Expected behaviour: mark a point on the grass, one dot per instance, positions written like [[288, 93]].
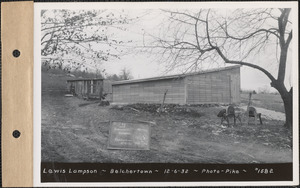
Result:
[[266, 100], [75, 133]]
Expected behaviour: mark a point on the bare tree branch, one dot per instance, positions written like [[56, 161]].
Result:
[[211, 37]]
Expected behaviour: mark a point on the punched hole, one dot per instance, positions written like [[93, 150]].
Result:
[[16, 53], [16, 134]]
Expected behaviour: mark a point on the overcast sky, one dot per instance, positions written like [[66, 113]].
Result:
[[142, 65]]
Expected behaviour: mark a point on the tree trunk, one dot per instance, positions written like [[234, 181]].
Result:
[[287, 97], [288, 107]]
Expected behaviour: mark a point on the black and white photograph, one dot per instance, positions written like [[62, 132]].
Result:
[[162, 89]]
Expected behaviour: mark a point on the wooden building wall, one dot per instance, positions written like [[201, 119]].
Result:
[[214, 87], [235, 85], [87, 88], [150, 92], [211, 87]]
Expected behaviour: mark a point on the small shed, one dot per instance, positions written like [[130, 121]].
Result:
[[220, 85], [89, 88]]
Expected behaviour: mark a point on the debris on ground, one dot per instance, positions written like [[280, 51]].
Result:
[[104, 103], [117, 107], [89, 103], [166, 109], [69, 95], [134, 109]]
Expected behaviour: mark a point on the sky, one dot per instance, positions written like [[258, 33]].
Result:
[[143, 65]]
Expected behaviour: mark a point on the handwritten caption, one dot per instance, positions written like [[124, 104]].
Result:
[[151, 171]]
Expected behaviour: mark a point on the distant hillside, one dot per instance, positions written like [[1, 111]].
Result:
[[54, 80]]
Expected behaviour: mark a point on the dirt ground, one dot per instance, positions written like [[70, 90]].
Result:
[[72, 132]]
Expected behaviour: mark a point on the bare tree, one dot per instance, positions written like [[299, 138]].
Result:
[[212, 36], [125, 74], [81, 38]]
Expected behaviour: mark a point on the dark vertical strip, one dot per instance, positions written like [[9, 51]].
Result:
[[0, 104]]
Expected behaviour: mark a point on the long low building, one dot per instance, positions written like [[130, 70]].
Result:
[[220, 85], [90, 88]]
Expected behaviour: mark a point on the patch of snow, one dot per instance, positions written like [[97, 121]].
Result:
[[268, 114]]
